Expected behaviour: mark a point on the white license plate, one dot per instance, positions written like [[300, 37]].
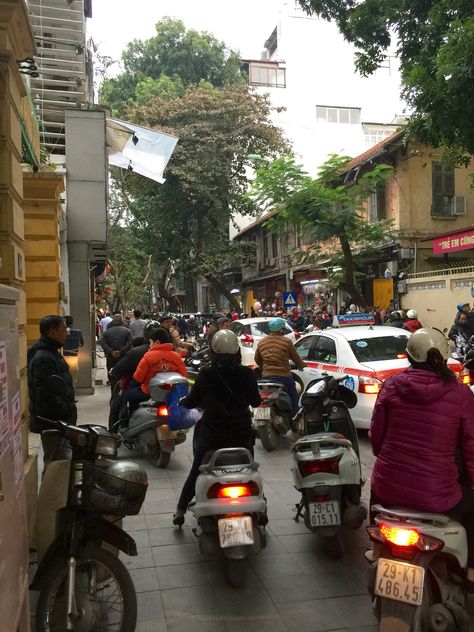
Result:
[[399, 581], [235, 531], [262, 413], [325, 514]]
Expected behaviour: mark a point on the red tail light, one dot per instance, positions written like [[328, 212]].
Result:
[[369, 385], [233, 490], [297, 335], [162, 411], [327, 466], [404, 537], [246, 340]]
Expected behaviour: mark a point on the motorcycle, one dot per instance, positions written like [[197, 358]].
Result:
[[326, 469], [417, 571], [147, 430], [230, 509], [83, 585], [274, 416]]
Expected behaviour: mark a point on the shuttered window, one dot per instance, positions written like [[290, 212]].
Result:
[[443, 190]]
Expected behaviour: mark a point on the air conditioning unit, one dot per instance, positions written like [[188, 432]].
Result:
[[406, 254], [459, 205]]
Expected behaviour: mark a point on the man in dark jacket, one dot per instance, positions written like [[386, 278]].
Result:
[[44, 360], [74, 338], [116, 341]]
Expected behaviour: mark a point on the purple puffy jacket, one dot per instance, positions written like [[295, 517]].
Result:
[[418, 424]]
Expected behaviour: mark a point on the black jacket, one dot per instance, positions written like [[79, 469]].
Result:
[[116, 338], [465, 331], [45, 360], [127, 365], [224, 393]]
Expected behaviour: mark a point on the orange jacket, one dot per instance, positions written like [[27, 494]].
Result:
[[157, 360]]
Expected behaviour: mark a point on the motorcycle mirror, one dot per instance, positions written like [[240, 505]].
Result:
[[316, 388], [56, 385], [345, 395]]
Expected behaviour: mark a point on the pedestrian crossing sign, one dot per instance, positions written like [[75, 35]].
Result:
[[290, 299]]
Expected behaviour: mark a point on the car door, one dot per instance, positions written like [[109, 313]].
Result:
[[305, 349]]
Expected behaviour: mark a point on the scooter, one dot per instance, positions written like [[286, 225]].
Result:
[[230, 509], [83, 585], [417, 571], [147, 429], [274, 415], [326, 469]]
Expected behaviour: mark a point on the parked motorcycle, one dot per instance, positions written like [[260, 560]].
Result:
[[230, 509], [274, 416], [326, 469], [418, 571], [147, 429], [83, 585]]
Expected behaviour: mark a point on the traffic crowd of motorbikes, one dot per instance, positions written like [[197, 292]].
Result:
[[167, 378]]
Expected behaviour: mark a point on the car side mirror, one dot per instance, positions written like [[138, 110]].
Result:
[[57, 386]]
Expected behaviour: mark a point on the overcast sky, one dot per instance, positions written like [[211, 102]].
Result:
[[243, 24]]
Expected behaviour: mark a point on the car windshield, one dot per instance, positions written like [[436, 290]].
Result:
[[382, 348], [261, 329]]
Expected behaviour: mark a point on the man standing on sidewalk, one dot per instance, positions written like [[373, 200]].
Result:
[[116, 341], [137, 325]]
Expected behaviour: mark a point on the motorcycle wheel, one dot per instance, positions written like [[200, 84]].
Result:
[[158, 457], [268, 437], [105, 595], [334, 546], [399, 617], [235, 571]]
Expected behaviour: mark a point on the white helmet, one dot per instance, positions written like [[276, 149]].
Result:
[[412, 314], [425, 339], [225, 341]]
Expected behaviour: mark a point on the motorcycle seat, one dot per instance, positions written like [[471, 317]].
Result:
[[411, 514], [225, 457]]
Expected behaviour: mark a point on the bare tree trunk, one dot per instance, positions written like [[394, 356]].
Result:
[[163, 292], [348, 284], [221, 289]]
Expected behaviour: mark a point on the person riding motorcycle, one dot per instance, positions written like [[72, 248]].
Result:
[[412, 323], [224, 391], [166, 321], [422, 419], [273, 356]]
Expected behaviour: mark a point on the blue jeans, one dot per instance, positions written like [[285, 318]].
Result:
[[290, 387]]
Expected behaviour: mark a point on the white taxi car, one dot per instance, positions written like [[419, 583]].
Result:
[[366, 354], [250, 331]]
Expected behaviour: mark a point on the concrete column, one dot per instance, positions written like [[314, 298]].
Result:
[[81, 307]]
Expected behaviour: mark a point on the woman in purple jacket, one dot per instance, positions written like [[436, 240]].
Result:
[[422, 420]]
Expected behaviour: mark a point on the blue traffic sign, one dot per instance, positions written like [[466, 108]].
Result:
[[290, 299]]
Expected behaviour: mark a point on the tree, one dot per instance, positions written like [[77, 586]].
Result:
[[330, 212], [206, 179], [435, 45], [165, 64]]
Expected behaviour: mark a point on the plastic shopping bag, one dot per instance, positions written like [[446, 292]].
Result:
[[179, 417]]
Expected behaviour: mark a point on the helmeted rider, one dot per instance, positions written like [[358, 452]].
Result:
[[412, 323], [422, 419], [223, 391], [273, 356]]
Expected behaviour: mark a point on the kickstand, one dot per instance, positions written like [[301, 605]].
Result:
[[299, 511]]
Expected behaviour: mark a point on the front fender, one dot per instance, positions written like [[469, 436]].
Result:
[[95, 528]]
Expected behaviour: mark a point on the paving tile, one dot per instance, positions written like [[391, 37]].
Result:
[[191, 601], [353, 611], [152, 626], [134, 523], [309, 616], [266, 623], [182, 575], [274, 565], [150, 606], [175, 554], [300, 542], [292, 588], [286, 526], [145, 579], [160, 506], [144, 559], [196, 623], [159, 520], [141, 538], [170, 535], [163, 493]]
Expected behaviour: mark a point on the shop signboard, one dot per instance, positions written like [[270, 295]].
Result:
[[455, 242]]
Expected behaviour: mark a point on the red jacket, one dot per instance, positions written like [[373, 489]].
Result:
[[158, 359], [418, 423], [412, 325]]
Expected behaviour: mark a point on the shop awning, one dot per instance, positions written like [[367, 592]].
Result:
[[139, 149], [454, 241]]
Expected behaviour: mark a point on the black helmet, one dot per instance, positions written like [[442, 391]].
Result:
[[165, 317]]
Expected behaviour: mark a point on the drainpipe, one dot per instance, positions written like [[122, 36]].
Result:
[[415, 267]]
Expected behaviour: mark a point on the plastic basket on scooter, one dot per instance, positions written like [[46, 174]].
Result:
[[114, 487]]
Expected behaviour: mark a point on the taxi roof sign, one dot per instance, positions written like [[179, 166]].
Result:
[[346, 320]]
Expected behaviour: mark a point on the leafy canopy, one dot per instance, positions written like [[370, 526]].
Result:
[[435, 45], [331, 214]]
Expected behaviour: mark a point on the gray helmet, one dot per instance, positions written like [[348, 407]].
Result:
[[425, 339], [225, 341]]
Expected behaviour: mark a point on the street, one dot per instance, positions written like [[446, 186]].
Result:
[[291, 585]]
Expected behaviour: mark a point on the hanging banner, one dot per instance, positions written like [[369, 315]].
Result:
[[454, 243]]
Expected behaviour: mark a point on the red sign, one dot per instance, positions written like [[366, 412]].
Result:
[[454, 242]]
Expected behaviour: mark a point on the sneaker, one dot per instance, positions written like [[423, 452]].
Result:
[[178, 518]]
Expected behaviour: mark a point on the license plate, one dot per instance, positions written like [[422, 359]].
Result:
[[325, 514], [399, 581], [262, 413], [235, 531], [163, 433]]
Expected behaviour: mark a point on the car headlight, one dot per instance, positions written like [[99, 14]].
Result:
[[107, 445]]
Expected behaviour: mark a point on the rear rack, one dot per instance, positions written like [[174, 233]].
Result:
[[409, 514]]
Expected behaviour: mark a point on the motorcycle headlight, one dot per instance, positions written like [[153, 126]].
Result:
[[107, 445]]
